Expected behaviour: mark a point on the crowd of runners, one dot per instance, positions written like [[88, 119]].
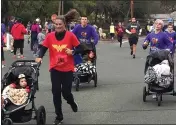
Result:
[[63, 44]]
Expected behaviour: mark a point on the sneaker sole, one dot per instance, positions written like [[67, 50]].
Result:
[[77, 107], [58, 123]]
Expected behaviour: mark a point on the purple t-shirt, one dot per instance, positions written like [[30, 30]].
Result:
[[172, 37], [158, 41]]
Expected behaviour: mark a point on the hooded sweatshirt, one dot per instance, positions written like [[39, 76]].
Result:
[[18, 31]]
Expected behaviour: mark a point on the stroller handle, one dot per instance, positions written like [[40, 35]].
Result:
[[14, 64]]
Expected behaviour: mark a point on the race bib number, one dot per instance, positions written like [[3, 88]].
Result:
[[61, 59], [83, 41], [133, 30], [153, 48]]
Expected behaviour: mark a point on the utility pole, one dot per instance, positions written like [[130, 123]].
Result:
[[62, 7], [132, 8], [59, 7]]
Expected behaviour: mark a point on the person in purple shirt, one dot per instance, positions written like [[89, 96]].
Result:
[[158, 39], [84, 32], [3, 28], [172, 36], [3, 31]]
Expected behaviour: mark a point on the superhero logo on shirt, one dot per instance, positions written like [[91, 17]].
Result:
[[83, 34], [170, 38], [60, 58], [154, 40], [59, 48]]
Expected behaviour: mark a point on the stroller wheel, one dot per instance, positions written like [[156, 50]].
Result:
[[77, 82], [95, 79], [41, 116], [7, 121], [144, 94], [159, 98]]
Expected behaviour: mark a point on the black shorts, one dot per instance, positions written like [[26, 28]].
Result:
[[112, 34], [18, 43], [133, 40]]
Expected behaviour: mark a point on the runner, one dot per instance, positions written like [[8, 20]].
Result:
[[158, 39], [170, 21], [172, 36], [84, 32], [134, 30], [112, 31], [149, 27], [18, 31], [60, 44], [34, 33], [3, 31], [120, 32], [10, 25]]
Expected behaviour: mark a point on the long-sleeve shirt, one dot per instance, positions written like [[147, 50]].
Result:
[[85, 34], [172, 37], [18, 30], [158, 41], [3, 30], [35, 28]]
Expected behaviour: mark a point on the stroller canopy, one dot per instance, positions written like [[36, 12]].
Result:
[[12, 74], [157, 57]]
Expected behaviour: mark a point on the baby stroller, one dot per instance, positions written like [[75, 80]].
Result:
[[18, 113], [156, 58], [86, 77]]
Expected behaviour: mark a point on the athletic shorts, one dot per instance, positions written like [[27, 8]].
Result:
[[133, 40]]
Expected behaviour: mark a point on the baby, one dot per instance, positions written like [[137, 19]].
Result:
[[14, 91]]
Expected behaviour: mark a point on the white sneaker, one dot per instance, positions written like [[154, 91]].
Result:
[[154, 96], [3, 66]]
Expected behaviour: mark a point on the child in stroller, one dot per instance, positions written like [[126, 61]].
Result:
[[16, 93], [24, 72], [85, 71], [159, 71]]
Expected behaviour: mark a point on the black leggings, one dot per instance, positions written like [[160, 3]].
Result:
[[61, 83], [119, 38], [2, 54], [15, 50]]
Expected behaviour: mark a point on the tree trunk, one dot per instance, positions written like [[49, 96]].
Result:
[[96, 13], [62, 7], [4, 10]]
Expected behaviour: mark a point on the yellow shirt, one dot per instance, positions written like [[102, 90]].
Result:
[[112, 29]]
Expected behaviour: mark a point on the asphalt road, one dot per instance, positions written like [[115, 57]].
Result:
[[118, 97]]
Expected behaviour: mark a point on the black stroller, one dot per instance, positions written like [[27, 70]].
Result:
[[80, 77], [18, 113], [153, 88]]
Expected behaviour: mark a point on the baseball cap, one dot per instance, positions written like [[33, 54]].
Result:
[[170, 20]]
